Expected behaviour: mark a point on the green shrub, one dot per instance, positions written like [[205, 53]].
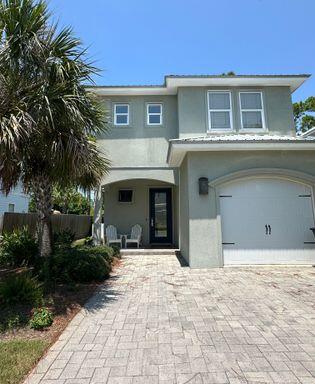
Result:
[[65, 237], [12, 320], [116, 250], [102, 250], [41, 318], [88, 240], [18, 248], [21, 288], [78, 265]]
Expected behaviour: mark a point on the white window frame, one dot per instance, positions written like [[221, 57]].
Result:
[[210, 129], [261, 110], [154, 114], [121, 114]]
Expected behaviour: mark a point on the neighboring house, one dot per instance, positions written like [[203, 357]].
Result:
[[211, 165], [15, 201]]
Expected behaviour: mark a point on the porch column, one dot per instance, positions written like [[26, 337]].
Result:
[[97, 227]]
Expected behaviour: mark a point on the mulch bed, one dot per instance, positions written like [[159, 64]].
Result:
[[65, 302]]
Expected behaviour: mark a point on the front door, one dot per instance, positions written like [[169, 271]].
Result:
[[161, 215]]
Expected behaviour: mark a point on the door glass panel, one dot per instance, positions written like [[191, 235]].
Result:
[[160, 207]]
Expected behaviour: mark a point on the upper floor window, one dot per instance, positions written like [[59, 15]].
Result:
[[154, 114], [121, 114], [252, 111], [220, 110]]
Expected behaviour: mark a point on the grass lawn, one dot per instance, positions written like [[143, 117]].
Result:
[[17, 357]]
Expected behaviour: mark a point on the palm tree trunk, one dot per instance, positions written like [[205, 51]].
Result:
[[43, 197]]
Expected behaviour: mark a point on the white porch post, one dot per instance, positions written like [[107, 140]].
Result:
[[97, 227]]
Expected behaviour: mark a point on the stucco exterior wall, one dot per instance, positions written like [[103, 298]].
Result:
[[125, 215], [184, 211], [139, 144], [204, 225], [16, 197], [193, 115]]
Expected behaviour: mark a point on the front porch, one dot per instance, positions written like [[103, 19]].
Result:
[[153, 204]]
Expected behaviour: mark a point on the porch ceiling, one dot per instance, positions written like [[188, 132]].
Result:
[[167, 175]]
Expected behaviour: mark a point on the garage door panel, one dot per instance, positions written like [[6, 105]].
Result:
[[271, 256], [284, 206]]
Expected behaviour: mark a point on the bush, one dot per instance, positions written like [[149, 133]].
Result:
[[21, 288], [18, 248], [116, 250], [11, 321], [41, 318], [102, 250], [65, 237], [88, 240], [79, 265]]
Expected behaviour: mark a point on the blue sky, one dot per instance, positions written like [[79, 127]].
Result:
[[139, 41]]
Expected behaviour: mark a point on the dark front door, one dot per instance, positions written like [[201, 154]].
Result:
[[161, 215]]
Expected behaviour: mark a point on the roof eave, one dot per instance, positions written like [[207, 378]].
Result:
[[177, 151], [172, 83]]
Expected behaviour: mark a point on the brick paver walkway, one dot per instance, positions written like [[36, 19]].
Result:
[[158, 322]]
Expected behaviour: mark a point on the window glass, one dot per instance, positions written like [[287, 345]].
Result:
[[251, 110], [154, 119], [219, 100], [154, 108], [252, 119], [11, 207], [251, 100], [121, 114], [220, 111], [154, 114], [121, 108], [220, 120], [125, 195], [121, 119]]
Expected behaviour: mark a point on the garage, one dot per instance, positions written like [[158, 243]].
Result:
[[267, 221]]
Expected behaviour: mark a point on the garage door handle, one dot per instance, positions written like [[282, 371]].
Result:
[[266, 228], [269, 227]]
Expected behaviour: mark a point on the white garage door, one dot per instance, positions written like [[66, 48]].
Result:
[[267, 221]]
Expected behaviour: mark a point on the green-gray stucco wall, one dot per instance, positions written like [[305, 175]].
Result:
[[193, 116], [139, 144], [184, 211], [201, 241]]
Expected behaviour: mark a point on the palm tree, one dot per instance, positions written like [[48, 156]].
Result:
[[48, 121]]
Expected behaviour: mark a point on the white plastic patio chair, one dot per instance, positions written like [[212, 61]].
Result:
[[111, 236], [135, 236]]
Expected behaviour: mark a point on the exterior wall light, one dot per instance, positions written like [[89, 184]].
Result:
[[203, 186]]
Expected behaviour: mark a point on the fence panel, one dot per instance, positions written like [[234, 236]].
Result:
[[80, 225]]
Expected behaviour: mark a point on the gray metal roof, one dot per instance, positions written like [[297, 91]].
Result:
[[205, 76], [242, 138]]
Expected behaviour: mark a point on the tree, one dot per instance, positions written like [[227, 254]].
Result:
[[47, 117], [230, 73], [302, 111], [66, 200]]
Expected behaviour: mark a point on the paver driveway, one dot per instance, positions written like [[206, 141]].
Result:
[[158, 322]]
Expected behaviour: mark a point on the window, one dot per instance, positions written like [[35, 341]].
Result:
[[154, 114], [220, 110], [11, 207], [252, 116], [125, 195], [121, 114]]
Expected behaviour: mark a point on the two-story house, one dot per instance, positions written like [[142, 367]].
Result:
[[213, 166]]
